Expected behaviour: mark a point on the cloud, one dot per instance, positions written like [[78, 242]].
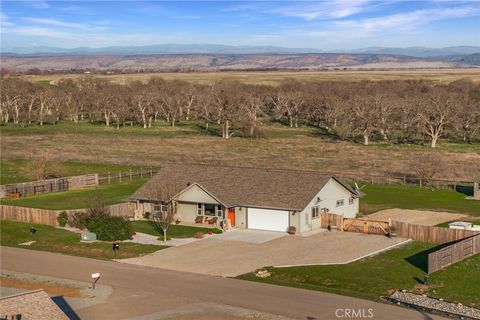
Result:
[[4, 23], [42, 32], [331, 9], [408, 20], [71, 25], [38, 4]]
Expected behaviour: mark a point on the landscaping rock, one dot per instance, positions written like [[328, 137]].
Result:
[[423, 301], [28, 243], [262, 274]]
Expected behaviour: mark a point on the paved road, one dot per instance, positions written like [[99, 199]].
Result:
[[143, 290]]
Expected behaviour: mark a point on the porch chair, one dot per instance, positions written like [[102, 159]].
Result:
[[212, 221], [199, 219]]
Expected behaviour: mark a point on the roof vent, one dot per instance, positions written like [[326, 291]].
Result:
[[189, 184]]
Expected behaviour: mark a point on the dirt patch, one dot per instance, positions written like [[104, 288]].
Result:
[[48, 288], [426, 218]]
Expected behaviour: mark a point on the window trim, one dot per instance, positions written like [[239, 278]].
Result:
[[315, 213]]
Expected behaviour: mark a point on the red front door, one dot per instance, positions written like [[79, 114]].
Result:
[[231, 216]]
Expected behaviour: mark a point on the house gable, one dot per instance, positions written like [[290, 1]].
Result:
[[195, 193]]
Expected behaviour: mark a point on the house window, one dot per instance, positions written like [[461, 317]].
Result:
[[315, 213], [350, 201], [200, 209], [160, 207], [340, 203], [219, 210], [209, 209]]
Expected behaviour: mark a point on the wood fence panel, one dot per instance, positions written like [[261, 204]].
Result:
[[31, 188], [31, 215], [49, 217], [331, 219], [453, 253], [430, 234], [365, 226]]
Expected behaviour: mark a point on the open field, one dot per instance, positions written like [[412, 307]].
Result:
[[62, 241], [281, 147], [78, 199], [379, 197], [16, 171], [274, 77], [370, 278]]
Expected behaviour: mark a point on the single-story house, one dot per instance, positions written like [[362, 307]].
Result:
[[254, 198]]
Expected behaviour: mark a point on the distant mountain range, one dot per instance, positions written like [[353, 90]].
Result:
[[172, 48]]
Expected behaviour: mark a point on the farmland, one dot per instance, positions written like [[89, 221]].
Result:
[[275, 77]]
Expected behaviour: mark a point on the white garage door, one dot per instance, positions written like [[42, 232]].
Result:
[[266, 219]]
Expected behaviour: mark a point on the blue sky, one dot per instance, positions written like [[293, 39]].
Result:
[[327, 25]]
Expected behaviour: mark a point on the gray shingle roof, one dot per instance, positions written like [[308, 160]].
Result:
[[239, 186], [31, 305]]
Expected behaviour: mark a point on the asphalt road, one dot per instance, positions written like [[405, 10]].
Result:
[[143, 290]]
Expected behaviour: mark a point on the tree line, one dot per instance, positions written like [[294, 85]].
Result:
[[395, 111]]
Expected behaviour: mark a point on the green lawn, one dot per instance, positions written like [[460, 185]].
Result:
[[15, 171], [174, 231], [370, 278], [379, 197], [77, 199], [62, 241]]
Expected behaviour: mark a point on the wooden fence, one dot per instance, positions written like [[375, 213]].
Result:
[[353, 225], [123, 176], [428, 233], [31, 215], [453, 253], [365, 226], [43, 216], [32, 188]]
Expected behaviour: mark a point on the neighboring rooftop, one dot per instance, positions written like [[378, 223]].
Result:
[[239, 186], [31, 305]]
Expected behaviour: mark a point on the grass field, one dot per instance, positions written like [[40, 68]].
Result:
[[52, 239], [16, 170], [379, 197], [370, 278], [281, 147], [174, 231], [274, 77], [78, 199]]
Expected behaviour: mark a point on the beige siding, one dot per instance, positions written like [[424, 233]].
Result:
[[196, 194], [329, 195], [295, 220], [187, 212], [241, 217]]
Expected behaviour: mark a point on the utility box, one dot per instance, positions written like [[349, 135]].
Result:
[[89, 236], [476, 189]]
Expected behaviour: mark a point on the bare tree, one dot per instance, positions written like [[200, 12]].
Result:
[[435, 114]]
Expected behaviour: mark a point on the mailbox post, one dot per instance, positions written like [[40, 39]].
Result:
[[95, 277], [115, 247]]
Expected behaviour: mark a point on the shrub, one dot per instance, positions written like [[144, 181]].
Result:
[[110, 228], [216, 230], [147, 215], [78, 220], [62, 219]]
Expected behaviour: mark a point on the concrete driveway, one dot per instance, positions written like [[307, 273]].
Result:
[[249, 235], [421, 217], [229, 258]]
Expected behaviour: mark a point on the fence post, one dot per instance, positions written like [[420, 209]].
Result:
[[109, 178], [371, 178], [420, 182], [120, 176], [151, 173], [130, 174], [141, 173], [404, 181]]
